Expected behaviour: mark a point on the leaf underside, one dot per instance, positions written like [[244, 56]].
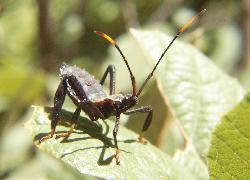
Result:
[[195, 90], [198, 92]]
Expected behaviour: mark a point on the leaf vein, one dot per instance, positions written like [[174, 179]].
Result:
[[244, 161]]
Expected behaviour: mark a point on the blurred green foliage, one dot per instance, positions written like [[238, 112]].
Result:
[[37, 36]]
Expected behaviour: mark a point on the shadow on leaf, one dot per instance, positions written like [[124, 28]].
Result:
[[93, 128]]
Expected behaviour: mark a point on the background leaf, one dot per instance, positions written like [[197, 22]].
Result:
[[162, 118], [195, 91], [189, 159], [198, 92], [90, 149], [228, 156]]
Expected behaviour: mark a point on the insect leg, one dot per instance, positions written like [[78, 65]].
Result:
[[77, 93], [115, 130], [93, 112], [56, 113], [73, 123], [144, 109], [112, 72]]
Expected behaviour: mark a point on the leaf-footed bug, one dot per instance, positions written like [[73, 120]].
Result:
[[88, 95]]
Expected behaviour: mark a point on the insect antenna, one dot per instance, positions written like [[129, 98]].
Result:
[[109, 39], [183, 29]]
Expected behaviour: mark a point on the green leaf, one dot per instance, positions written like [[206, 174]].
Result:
[[190, 159], [195, 91], [198, 92], [91, 151], [19, 159], [229, 156], [43, 166]]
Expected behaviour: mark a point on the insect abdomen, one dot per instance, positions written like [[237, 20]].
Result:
[[88, 83]]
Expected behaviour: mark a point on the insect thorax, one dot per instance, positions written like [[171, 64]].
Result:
[[124, 101]]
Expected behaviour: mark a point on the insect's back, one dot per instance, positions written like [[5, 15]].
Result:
[[87, 82]]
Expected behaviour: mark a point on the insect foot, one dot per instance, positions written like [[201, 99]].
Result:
[[141, 139], [117, 156], [44, 138], [63, 135]]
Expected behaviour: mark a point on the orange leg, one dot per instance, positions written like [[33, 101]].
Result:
[[115, 130], [73, 123]]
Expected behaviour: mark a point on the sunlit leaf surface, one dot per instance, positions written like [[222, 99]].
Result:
[[229, 156], [91, 151]]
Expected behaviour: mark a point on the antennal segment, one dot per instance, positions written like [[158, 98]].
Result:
[[183, 29], [109, 39]]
